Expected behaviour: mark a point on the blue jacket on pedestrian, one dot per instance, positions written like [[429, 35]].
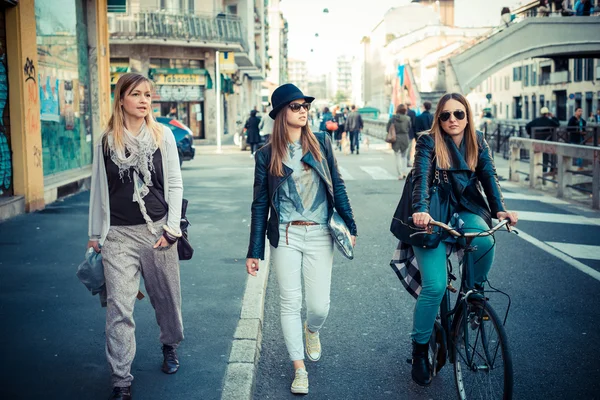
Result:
[[326, 117]]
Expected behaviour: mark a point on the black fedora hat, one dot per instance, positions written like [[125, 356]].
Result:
[[284, 95]]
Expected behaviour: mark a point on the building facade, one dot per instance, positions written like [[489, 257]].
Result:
[[178, 44], [54, 100], [520, 90], [343, 76], [298, 73], [278, 46]]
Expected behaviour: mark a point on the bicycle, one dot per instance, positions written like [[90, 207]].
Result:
[[479, 346]]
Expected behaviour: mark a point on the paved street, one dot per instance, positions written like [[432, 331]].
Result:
[[552, 325], [53, 329]]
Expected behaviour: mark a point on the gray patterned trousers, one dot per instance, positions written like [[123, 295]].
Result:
[[127, 252]]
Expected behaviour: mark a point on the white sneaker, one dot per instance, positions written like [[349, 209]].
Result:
[[313, 344], [300, 384]]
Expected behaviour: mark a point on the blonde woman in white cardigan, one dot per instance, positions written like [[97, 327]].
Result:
[[135, 163]]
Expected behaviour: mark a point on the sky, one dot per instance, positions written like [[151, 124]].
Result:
[[340, 30]]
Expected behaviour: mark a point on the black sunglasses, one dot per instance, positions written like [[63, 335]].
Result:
[[458, 114], [295, 107]]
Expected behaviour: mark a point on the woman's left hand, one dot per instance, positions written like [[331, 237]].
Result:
[[162, 242], [353, 241], [511, 215]]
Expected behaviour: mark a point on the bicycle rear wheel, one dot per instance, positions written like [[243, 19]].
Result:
[[483, 365]]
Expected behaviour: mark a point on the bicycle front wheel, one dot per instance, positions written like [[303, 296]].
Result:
[[483, 364]]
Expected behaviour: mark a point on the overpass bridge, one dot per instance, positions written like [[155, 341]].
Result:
[[548, 37]]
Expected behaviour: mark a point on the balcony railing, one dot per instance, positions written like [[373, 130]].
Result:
[[559, 77], [177, 25]]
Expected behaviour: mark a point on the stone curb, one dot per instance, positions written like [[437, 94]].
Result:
[[240, 376]]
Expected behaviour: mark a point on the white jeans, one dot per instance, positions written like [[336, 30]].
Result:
[[309, 253], [401, 161]]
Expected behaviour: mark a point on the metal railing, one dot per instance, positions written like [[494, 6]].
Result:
[[177, 25]]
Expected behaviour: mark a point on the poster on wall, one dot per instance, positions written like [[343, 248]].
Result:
[[49, 107]]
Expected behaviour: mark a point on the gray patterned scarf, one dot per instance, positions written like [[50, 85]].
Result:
[[137, 154]]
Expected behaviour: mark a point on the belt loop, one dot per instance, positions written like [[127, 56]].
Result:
[[287, 226]]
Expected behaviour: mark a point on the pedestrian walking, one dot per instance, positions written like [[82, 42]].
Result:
[[576, 128], [135, 173], [424, 121], [327, 116], [544, 8], [354, 124], [460, 156], [266, 128], [402, 126], [297, 183], [252, 132], [413, 117], [340, 119], [548, 121], [584, 8]]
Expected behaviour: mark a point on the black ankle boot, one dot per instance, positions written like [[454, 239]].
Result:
[[421, 370], [170, 362], [121, 393]]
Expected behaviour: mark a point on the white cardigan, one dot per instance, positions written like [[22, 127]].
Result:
[[99, 218]]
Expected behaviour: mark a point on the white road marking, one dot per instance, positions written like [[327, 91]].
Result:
[[557, 218], [574, 250], [378, 173], [543, 199], [347, 176], [551, 250]]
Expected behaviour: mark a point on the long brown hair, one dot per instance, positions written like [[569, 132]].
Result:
[[116, 124], [471, 146], [280, 141]]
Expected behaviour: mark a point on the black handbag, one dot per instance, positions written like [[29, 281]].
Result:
[[439, 210], [184, 248]]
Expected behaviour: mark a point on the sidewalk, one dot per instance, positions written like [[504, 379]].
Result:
[[53, 328]]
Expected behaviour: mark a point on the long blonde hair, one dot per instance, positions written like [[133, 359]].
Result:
[[441, 150], [116, 124], [280, 140]]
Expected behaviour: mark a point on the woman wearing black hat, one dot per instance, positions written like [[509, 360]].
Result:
[[297, 182]]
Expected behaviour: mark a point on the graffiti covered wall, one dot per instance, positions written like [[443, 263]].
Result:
[[63, 84], [5, 152]]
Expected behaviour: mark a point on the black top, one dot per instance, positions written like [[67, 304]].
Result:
[[123, 210]]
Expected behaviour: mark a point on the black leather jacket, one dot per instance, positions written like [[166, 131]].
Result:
[[266, 196], [465, 190]]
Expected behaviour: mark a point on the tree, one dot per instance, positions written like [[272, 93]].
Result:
[[340, 97]]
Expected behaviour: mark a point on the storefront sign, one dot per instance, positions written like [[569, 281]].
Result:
[[226, 62], [179, 79], [178, 93]]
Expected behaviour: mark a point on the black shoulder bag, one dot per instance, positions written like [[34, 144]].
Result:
[[184, 248], [439, 209]]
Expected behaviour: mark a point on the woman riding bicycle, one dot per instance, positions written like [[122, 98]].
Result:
[[456, 149]]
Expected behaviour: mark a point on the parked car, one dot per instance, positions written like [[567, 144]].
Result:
[[183, 137]]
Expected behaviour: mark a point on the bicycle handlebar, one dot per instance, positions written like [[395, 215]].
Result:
[[457, 234]]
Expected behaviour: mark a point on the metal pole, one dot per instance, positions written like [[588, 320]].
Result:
[[218, 97]]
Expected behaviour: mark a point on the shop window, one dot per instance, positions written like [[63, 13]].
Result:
[[63, 83], [175, 63]]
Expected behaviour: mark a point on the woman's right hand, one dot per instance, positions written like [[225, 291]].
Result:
[[95, 244], [252, 266], [421, 219]]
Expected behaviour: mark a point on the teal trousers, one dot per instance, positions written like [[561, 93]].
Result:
[[432, 264]]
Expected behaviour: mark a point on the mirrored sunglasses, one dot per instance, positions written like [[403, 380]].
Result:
[[295, 107], [458, 114]]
